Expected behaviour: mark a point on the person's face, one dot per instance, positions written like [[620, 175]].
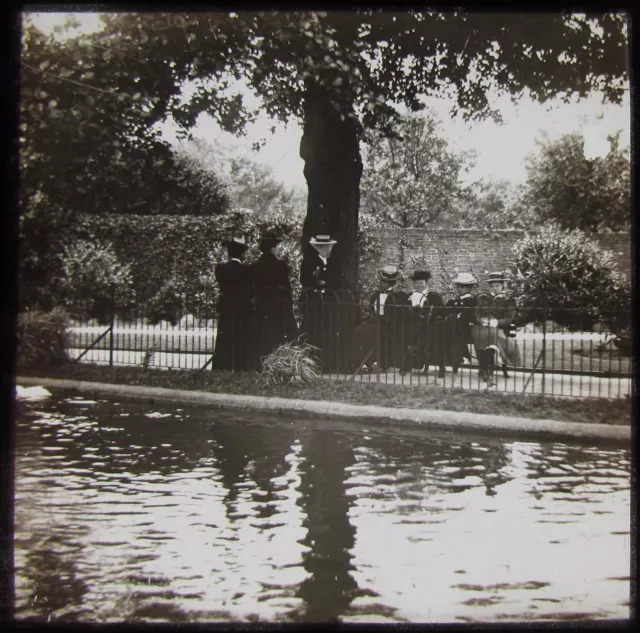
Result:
[[324, 250], [386, 285], [420, 285], [496, 287], [463, 289]]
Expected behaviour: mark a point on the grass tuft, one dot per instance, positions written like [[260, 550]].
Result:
[[290, 363]]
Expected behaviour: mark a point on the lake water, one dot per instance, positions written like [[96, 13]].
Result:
[[141, 511]]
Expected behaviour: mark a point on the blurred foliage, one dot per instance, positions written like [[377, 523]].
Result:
[[42, 338]]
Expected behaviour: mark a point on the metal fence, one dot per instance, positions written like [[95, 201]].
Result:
[[550, 351]]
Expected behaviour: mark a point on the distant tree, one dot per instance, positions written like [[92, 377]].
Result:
[[412, 180], [493, 204], [250, 184], [566, 187]]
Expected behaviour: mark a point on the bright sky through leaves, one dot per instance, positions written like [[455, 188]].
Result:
[[501, 149]]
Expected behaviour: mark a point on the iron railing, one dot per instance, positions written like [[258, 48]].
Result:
[[549, 350]]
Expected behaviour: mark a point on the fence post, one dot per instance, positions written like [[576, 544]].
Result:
[[113, 318], [544, 346]]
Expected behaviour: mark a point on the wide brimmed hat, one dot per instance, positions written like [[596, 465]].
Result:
[[321, 239], [269, 238], [390, 273], [236, 241], [465, 279], [497, 277], [421, 275]]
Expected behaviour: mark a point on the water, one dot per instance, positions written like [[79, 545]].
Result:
[[130, 510]]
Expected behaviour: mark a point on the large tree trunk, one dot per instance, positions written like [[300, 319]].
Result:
[[331, 152]]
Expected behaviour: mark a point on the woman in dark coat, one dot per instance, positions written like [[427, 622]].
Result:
[[234, 347], [274, 320]]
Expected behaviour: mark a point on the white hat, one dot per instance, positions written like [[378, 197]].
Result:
[[321, 239], [465, 279]]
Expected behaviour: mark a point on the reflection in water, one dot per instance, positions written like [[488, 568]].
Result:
[[330, 535], [144, 512]]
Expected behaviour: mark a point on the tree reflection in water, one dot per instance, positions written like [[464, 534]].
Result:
[[330, 536]]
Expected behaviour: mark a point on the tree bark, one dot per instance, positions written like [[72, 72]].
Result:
[[330, 149]]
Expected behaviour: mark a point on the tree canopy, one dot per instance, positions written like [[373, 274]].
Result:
[[89, 149], [340, 73], [413, 180], [576, 192]]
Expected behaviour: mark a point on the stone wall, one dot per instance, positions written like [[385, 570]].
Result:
[[473, 250]]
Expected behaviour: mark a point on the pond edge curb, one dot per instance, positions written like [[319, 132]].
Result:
[[441, 418]]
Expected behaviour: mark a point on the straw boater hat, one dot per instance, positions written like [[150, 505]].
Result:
[[497, 277], [321, 239], [237, 242], [421, 275], [465, 279], [390, 273]]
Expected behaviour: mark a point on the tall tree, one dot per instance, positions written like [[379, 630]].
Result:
[[576, 192], [413, 180], [340, 73]]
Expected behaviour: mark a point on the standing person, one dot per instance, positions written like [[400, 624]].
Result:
[[233, 349], [274, 320], [495, 329], [462, 306], [393, 309], [327, 316], [424, 308]]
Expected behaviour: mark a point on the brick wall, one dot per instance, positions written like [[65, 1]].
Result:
[[474, 250]]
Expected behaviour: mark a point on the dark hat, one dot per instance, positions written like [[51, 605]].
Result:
[[236, 242], [498, 277], [322, 239], [421, 275], [269, 239], [390, 273]]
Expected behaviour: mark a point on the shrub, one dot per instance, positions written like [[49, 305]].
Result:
[[574, 277], [292, 362], [93, 279], [43, 338]]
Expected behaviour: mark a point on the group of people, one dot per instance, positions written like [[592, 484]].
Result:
[[417, 328], [403, 329]]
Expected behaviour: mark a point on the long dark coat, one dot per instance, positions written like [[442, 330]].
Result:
[[275, 323], [328, 311], [464, 308], [234, 340], [383, 337]]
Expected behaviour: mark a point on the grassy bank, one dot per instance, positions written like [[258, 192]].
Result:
[[413, 397]]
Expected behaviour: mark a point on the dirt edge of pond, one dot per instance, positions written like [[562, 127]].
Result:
[[427, 417]]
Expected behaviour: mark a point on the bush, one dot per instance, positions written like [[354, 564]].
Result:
[[292, 362], [93, 279], [43, 338], [574, 277]]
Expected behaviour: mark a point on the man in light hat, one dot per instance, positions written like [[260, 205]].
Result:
[[327, 314], [462, 306], [274, 320], [494, 330], [234, 346]]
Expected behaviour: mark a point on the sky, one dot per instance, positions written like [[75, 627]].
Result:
[[501, 149]]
